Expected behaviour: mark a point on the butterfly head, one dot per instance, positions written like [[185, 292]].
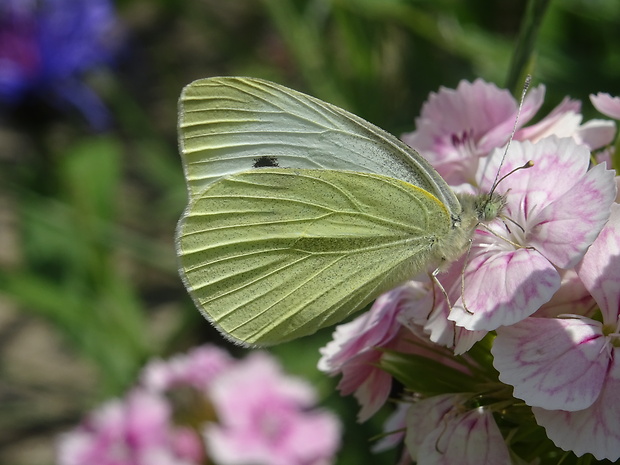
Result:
[[489, 207]]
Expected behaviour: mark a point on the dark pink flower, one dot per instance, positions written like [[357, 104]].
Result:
[[353, 350]]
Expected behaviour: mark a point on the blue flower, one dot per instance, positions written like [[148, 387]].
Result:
[[46, 47]]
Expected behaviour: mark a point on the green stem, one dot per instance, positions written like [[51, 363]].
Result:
[[522, 57]]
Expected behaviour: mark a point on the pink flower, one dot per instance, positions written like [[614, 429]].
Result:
[[264, 418], [558, 208], [606, 104], [393, 428], [459, 126], [572, 297], [569, 369], [426, 314], [353, 353], [565, 121], [440, 431], [135, 431], [197, 369]]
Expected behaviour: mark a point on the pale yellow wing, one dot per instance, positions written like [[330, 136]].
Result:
[[273, 254], [232, 124]]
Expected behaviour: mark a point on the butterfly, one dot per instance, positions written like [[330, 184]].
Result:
[[301, 213]]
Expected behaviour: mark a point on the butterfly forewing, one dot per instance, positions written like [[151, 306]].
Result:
[[274, 254], [230, 125]]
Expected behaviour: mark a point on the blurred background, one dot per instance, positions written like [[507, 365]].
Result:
[[91, 183]]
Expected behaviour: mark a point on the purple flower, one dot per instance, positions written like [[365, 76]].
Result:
[[46, 47]]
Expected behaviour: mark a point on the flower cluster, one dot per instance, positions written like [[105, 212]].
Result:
[[47, 46], [206, 407], [509, 356]]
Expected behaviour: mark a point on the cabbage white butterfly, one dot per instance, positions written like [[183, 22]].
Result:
[[301, 213]]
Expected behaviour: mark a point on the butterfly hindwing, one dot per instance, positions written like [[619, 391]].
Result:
[[272, 254]]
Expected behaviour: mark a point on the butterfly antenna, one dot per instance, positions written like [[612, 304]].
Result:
[[526, 86], [528, 164]]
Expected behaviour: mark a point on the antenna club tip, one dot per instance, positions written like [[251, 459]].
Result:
[[529, 164]]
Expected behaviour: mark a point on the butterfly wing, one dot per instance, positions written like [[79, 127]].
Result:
[[273, 254], [228, 125]]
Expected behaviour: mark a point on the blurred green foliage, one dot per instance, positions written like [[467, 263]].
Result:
[[94, 214]]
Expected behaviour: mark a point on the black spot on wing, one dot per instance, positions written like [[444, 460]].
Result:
[[266, 162]]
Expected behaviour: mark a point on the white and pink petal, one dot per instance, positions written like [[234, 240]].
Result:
[[369, 384], [606, 104], [499, 135], [426, 316], [562, 121], [565, 121], [600, 268], [595, 430], [596, 133], [572, 298], [553, 363], [377, 327], [564, 229], [393, 429], [558, 165], [503, 288], [471, 438], [425, 416]]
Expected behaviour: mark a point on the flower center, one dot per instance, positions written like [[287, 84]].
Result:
[[271, 426], [464, 143], [613, 335]]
